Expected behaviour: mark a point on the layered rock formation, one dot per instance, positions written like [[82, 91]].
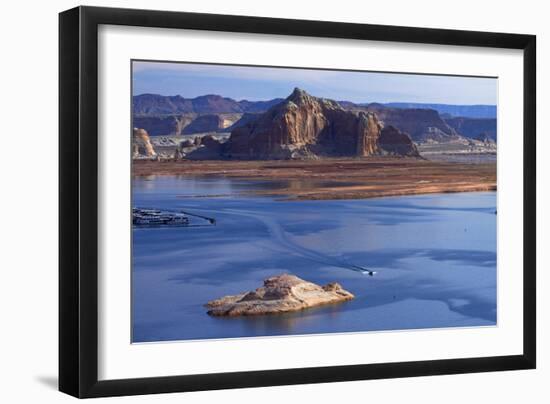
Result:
[[304, 126], [164, 125], [141, 144], [155, 104], [393, 141], [421, 124], [209, 123], [185, 124], [469, 111], [279, 294], [474, 127]]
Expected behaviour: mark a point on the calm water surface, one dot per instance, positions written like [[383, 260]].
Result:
[[434, 257]]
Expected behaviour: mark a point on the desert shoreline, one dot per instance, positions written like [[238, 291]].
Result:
[[337, 178]]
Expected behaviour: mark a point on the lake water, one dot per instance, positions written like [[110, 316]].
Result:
[[434, 257]]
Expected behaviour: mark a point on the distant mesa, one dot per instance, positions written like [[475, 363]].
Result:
[[485, 138], [156, 104], [186, 123], [450, 110], [175, 115], [474, 127], [421, 124], [279, 294]]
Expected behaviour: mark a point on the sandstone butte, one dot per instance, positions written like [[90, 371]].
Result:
[[279, 294], [303, 126]]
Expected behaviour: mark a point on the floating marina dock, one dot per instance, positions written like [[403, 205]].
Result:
[[151, 217]]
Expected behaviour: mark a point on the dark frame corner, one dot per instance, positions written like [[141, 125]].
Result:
[[78, 175]]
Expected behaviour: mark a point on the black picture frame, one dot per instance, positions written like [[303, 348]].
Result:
[[78, 201]]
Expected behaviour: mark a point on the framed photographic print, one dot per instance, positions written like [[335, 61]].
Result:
[[251, 201]]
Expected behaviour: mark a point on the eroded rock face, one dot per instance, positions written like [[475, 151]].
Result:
[[279, 294], [141, 143], [304, 126], [291, 125], [185, 124], [395, 142], [421, 124], [351, 133], [210, 123], [474, 127]]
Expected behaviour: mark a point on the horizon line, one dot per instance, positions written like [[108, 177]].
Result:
[[342, 100]]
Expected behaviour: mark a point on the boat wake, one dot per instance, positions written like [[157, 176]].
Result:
[[281, 237]]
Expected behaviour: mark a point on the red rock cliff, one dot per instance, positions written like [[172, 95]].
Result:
[[303, 125], [307, 126]]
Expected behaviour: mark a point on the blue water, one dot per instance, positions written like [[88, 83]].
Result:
[[434, 257]]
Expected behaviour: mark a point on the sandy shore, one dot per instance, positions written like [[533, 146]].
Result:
[[340, 178]]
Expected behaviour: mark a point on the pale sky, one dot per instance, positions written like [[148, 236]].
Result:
[[264, 83]]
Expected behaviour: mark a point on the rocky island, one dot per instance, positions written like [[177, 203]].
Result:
[[280, 294]]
